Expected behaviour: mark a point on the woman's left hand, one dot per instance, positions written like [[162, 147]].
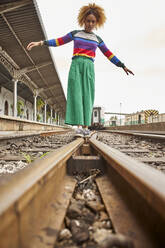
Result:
[[128, 71]]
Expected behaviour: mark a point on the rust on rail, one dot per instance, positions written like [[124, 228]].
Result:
[[34, 202], [134, 195]]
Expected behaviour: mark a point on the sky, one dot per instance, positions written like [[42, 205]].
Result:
[[135, 33]]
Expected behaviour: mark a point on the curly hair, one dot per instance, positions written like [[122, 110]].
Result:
[[94, 9]]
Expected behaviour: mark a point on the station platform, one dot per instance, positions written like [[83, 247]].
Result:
[[6, 135], [17, 125]]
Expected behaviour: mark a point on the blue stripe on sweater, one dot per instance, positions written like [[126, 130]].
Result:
[[115, 60], [52, 42]]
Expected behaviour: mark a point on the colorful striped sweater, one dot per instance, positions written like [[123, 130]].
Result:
[[85, 44]]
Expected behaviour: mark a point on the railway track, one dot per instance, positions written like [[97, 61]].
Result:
[[146, 147], [151, 135], [19, 150], [39, 208]]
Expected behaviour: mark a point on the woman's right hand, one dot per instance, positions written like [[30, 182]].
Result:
[[34, 44]]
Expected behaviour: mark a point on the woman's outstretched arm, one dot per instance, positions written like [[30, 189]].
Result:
[[53, 42], [127, 70], [112, 57], [34, 44]]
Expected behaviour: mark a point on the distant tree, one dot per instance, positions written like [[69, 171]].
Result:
[[40, 104], [38, 117], [47, 116], [20, 108]]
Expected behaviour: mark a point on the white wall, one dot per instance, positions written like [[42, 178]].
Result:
[[158, 118], [6, 95]]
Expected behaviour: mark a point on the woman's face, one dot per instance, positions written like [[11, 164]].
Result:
[[90, 23]]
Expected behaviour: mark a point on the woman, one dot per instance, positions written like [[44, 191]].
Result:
[[81, 88]]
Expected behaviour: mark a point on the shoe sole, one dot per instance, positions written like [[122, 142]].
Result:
[[79, 135], [87, 135]]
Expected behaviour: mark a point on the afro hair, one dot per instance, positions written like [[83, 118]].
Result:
[[94, 9]]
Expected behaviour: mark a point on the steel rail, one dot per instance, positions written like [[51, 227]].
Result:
[[147, 132], [8, 135], [136, 131], [148, 135], [149, 182], [141, 188], [33, 203]]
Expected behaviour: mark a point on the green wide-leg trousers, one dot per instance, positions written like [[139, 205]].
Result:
[[80, 93]]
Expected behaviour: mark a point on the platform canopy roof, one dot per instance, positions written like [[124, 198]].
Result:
[[35, 70]]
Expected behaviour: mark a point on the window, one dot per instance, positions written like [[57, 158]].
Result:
[[6, 108], [27, 114], [95, 113]]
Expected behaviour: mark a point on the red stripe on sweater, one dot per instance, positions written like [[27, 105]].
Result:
[[84, 51], [108, 53], [60, 40]]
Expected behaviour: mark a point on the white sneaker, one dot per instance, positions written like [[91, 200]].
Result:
[[86, 132], [79, 132]]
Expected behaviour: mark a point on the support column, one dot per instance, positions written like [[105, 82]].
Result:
[[62, 122], [35, 108], [45, 112], [35, 94], [63, 119], [59, 118], [15, 98], [55, 116], [51, 115]]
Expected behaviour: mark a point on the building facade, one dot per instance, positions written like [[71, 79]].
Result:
[[146, 116]]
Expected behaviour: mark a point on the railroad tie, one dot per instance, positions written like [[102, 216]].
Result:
[[83, 164]]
